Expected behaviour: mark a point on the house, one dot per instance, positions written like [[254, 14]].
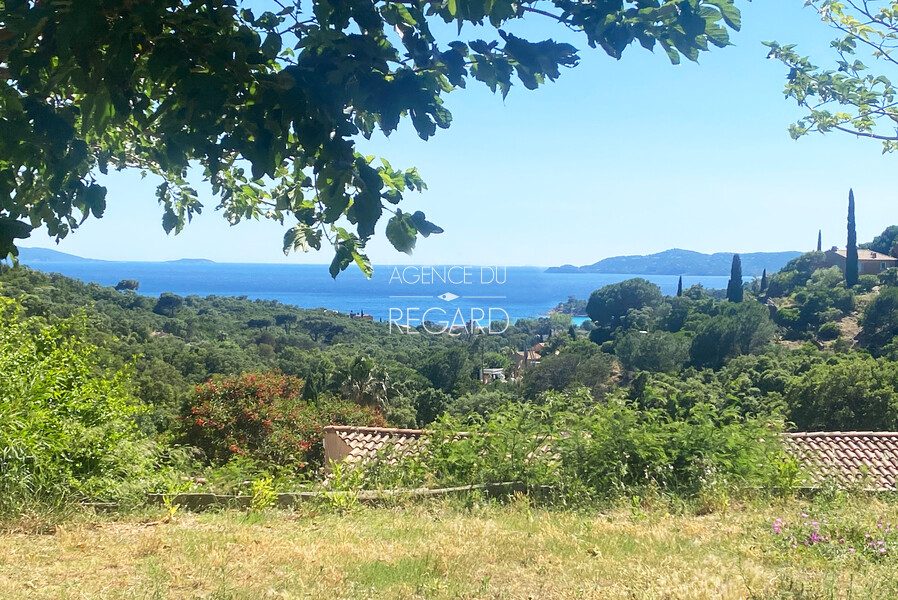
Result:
[[491, 375], [526, 358], [864, 459], [529, 357], [868, 261], [855, 458], [360, 444]]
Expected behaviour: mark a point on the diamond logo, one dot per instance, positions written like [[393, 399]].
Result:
[[448, 296]]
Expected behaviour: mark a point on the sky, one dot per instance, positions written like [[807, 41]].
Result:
[[616, 157]]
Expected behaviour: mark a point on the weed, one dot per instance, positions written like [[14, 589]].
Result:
[[264, 494]]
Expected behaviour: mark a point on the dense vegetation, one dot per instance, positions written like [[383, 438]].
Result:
[[221, 390]]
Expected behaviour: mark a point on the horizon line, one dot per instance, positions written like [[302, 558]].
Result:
[[375, 265]]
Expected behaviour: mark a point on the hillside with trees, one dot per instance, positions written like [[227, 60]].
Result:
[[226, 390], [682, 262]]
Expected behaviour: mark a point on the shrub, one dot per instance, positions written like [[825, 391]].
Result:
[[889, 277], [67, 431], [262, 417], [658, 351], [484, 402], [740, 328], [880, 319], [605, 449], [797, 272], [788, 317], [829, 331], [830, 315], [847, 392], [865, 283], [580, 363]]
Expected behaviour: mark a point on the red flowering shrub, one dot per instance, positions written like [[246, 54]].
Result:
[[261, 416]]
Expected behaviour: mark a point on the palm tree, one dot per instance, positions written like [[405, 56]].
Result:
[[366, 384]]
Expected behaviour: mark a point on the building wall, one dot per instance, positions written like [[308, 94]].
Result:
[[835, 260], [874, 267], [335, 449], [865, 266]]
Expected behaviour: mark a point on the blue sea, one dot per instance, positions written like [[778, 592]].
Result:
[[397, 293]]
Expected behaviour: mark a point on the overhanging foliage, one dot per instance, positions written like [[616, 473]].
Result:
[[268, 103]]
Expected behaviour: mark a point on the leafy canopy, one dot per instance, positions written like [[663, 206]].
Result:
[[885, 242], [609, 305], [268, 102], [847, 96]]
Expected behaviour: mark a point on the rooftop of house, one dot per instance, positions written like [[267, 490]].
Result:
[[868, 459], [363, 443], [865, 254]]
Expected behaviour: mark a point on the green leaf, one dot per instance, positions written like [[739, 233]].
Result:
[[672, 53], [271, 46], [10, 230], [401, 232], [225, 94], [342, 258], [731, 15], [424, 226], [362, 262], [95, 199], [302, 237], [170, 221]]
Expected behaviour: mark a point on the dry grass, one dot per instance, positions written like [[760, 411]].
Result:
[[438, 550]]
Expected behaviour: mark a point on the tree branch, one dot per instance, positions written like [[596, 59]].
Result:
[[849, 32], [544, 13], [866, 134]]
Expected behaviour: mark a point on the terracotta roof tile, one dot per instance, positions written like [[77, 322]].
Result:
[[365, 442], [867, 254], [865, 458]]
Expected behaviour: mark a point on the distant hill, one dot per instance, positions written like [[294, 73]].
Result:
[[192, 261], [43, 255], [684, 262]]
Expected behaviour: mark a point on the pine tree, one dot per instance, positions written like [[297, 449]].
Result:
[[851, 248], [680, 287], [819, 240], [734, 286], [764, 280]]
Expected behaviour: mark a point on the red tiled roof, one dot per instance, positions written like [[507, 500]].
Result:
[[363, 443], [866, 254], [865, 458]]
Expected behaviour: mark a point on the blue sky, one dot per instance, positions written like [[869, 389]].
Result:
[[616, 157]]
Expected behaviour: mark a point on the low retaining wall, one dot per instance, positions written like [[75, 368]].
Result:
[[287, 500]]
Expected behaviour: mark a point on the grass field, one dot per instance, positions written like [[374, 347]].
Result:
[[446, 550]]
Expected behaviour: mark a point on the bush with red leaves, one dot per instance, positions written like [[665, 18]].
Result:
[[262, 416]]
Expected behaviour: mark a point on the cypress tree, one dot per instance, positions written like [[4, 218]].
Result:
[[764, 280], [851, 247], [734, 286], [680, 287], [819, 240]]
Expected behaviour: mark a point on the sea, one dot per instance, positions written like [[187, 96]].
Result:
[[403, 294]]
